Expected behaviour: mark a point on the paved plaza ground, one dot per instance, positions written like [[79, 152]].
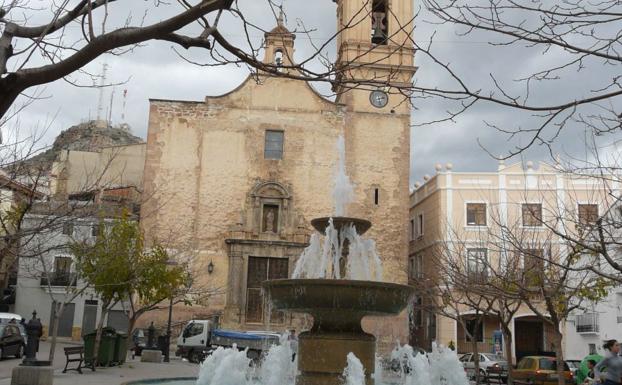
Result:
[[133, 369]]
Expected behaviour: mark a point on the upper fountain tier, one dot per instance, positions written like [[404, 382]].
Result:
[[361, 225]]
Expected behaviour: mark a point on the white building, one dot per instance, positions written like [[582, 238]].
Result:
[[468, 210], [47, 274], [586, 332]]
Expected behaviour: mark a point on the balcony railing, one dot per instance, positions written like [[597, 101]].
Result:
[[59, 279], [587, 323]]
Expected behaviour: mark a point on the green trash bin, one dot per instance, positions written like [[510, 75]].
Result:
[[120, 348], [105, 356]]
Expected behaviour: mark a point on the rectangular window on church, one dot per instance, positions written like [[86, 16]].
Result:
[[261, 269], [273, 148]]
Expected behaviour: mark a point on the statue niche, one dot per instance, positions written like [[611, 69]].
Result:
[[271, 209], [270, 219]]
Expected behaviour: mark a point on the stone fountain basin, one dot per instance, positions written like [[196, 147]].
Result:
[[361, 225], [337, 297]]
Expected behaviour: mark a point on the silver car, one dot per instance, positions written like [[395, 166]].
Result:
[[490, 365]]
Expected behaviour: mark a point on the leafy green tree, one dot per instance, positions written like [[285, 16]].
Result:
[[119, 268]]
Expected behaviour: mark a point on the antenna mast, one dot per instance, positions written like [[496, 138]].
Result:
[[102, 82]]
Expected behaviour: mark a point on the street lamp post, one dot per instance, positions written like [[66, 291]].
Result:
[[167, 352]]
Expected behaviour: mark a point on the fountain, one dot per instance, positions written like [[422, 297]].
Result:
[[335, 294], [337, 306], [338, 281]]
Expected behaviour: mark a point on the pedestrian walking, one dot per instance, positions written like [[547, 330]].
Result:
[[613, 363]]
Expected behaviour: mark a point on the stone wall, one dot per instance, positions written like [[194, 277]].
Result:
[[204, 159]]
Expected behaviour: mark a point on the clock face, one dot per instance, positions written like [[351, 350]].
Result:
[[378, 98]]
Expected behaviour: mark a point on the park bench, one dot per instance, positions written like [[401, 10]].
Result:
[[74, 354]]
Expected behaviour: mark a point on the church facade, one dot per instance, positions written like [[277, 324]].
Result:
[[233, 181]]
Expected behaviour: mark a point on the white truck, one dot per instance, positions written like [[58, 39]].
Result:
[[200, 338]]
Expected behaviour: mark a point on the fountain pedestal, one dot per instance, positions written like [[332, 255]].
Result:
[[337, 307], [322, 356]]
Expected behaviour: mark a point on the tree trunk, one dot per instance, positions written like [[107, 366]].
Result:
[[475, 359], [130, 330], [58, 311], [475, 350], [7, 96], [507, 337], [559, 355], [98, 334]]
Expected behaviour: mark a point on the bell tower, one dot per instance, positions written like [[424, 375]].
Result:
[[375, 46], [375, 66], [279, 46]]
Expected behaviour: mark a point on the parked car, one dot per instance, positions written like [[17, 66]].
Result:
[[490, 365], [540, 370], [11, 341]]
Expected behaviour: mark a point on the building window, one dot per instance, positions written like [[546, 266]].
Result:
[[431, 326], [261, 269], [273, 148], [379, 22], [475, 329], [587, 323], [68, 228], [61, 273], [533, 266], [270, 219], [476, 214], [532, 214], [592, 348], [416, 266], [62, 265], [588, 214], [477, 264], [419, 312], [420, 225], [376, 196], [412, 229], [94, 230]]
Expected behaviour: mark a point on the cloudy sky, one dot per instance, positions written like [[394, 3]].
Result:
[[154, 70]]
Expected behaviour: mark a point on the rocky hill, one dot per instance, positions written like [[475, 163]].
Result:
[[88, 136]]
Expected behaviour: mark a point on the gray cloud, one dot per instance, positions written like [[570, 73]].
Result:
[[155, 71]]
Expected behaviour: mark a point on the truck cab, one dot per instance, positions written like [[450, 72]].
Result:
[[194, 339], [200, 338]]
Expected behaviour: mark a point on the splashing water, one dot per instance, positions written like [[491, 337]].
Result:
[[278, 366], [222, 367], [343, 192], [321, 259], [228, 366], [354, 373], [440, 367]]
